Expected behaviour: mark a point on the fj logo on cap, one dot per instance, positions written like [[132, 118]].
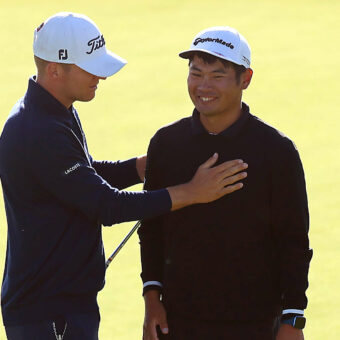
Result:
[[96, 43], [63, 54], [219, 41]]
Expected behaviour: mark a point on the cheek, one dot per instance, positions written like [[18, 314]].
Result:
[[193, 84]]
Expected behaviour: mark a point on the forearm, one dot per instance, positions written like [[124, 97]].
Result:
[[151, 251], [121, 206], [119, 174], [291, 223]]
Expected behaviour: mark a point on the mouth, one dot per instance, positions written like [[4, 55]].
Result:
[[206, 99]]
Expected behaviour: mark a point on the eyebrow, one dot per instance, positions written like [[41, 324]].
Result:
[[219, 70]]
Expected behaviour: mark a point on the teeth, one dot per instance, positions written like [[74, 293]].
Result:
[[206, 99]]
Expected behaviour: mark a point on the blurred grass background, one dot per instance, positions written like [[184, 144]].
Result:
[[295, 47]]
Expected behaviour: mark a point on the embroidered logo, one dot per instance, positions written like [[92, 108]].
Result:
[[96, 43], [216, 40], [63, 54], [74, 167], [246, 60]]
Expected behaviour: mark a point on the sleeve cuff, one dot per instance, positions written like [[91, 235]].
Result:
[[293, 311], [152, 285]]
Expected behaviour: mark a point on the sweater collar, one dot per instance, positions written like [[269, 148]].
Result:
[[42, 98], [230, 132]]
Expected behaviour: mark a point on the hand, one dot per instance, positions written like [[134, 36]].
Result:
[[288, 332], [155, 315], [209, 183], [140, 166]]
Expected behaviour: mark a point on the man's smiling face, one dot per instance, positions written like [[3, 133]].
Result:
[[213, 88]]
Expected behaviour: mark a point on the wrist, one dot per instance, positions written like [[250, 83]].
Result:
[[181, 196], [152, 295]]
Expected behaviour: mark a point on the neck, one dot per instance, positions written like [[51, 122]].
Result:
[[219, 122]]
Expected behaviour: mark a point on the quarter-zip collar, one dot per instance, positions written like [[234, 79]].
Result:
[[40, 97]]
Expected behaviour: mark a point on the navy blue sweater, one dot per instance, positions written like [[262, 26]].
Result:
[[56, 199]]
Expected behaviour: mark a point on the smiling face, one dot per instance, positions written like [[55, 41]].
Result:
[[215, 90]]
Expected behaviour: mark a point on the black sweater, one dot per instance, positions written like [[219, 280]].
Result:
[[56, 199], [245, 256]]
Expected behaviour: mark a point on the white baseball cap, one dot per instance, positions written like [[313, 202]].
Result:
[[223, 42], [72, 38]]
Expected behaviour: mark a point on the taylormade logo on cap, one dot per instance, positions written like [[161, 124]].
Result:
[[222, 42], [219, 41], [75, 39]]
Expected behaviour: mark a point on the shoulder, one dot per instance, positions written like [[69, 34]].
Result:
[[28, 127], [270, 136], [173, 131]]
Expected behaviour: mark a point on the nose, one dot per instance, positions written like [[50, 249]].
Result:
[[204, 83], [99, 78]]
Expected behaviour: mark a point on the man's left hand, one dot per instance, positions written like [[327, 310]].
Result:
[[140, 166], [287, 332]]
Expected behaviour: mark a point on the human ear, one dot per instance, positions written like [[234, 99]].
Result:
[[246, 78], [53, 70]]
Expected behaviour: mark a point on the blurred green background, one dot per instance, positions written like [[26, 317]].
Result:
[[295, 57]]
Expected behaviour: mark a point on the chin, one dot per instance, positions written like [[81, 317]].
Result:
[[206, 112], [86, 99]]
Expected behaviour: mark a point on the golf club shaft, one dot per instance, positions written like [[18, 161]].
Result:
[[126, 238]]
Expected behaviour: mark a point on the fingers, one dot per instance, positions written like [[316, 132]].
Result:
[[150, 333], [210, 162], [164, 327], [231, 188], [231, 167], [233, 179], [150, 330]]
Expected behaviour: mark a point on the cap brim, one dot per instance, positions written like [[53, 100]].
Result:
[[104, 65], [186, 55]]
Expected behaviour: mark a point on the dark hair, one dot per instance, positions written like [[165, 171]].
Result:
[[210, 59]]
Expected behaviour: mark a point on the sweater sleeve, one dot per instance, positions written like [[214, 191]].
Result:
[[119, 174], [61, 165], [291, 222], [150, 232]]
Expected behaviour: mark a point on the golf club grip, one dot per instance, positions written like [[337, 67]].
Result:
[[126, 238]]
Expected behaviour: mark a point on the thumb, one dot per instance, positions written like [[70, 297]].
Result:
[[163, 325], [210, 162]]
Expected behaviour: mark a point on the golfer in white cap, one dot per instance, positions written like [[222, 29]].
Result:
[[237, 268], [57, 197]]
